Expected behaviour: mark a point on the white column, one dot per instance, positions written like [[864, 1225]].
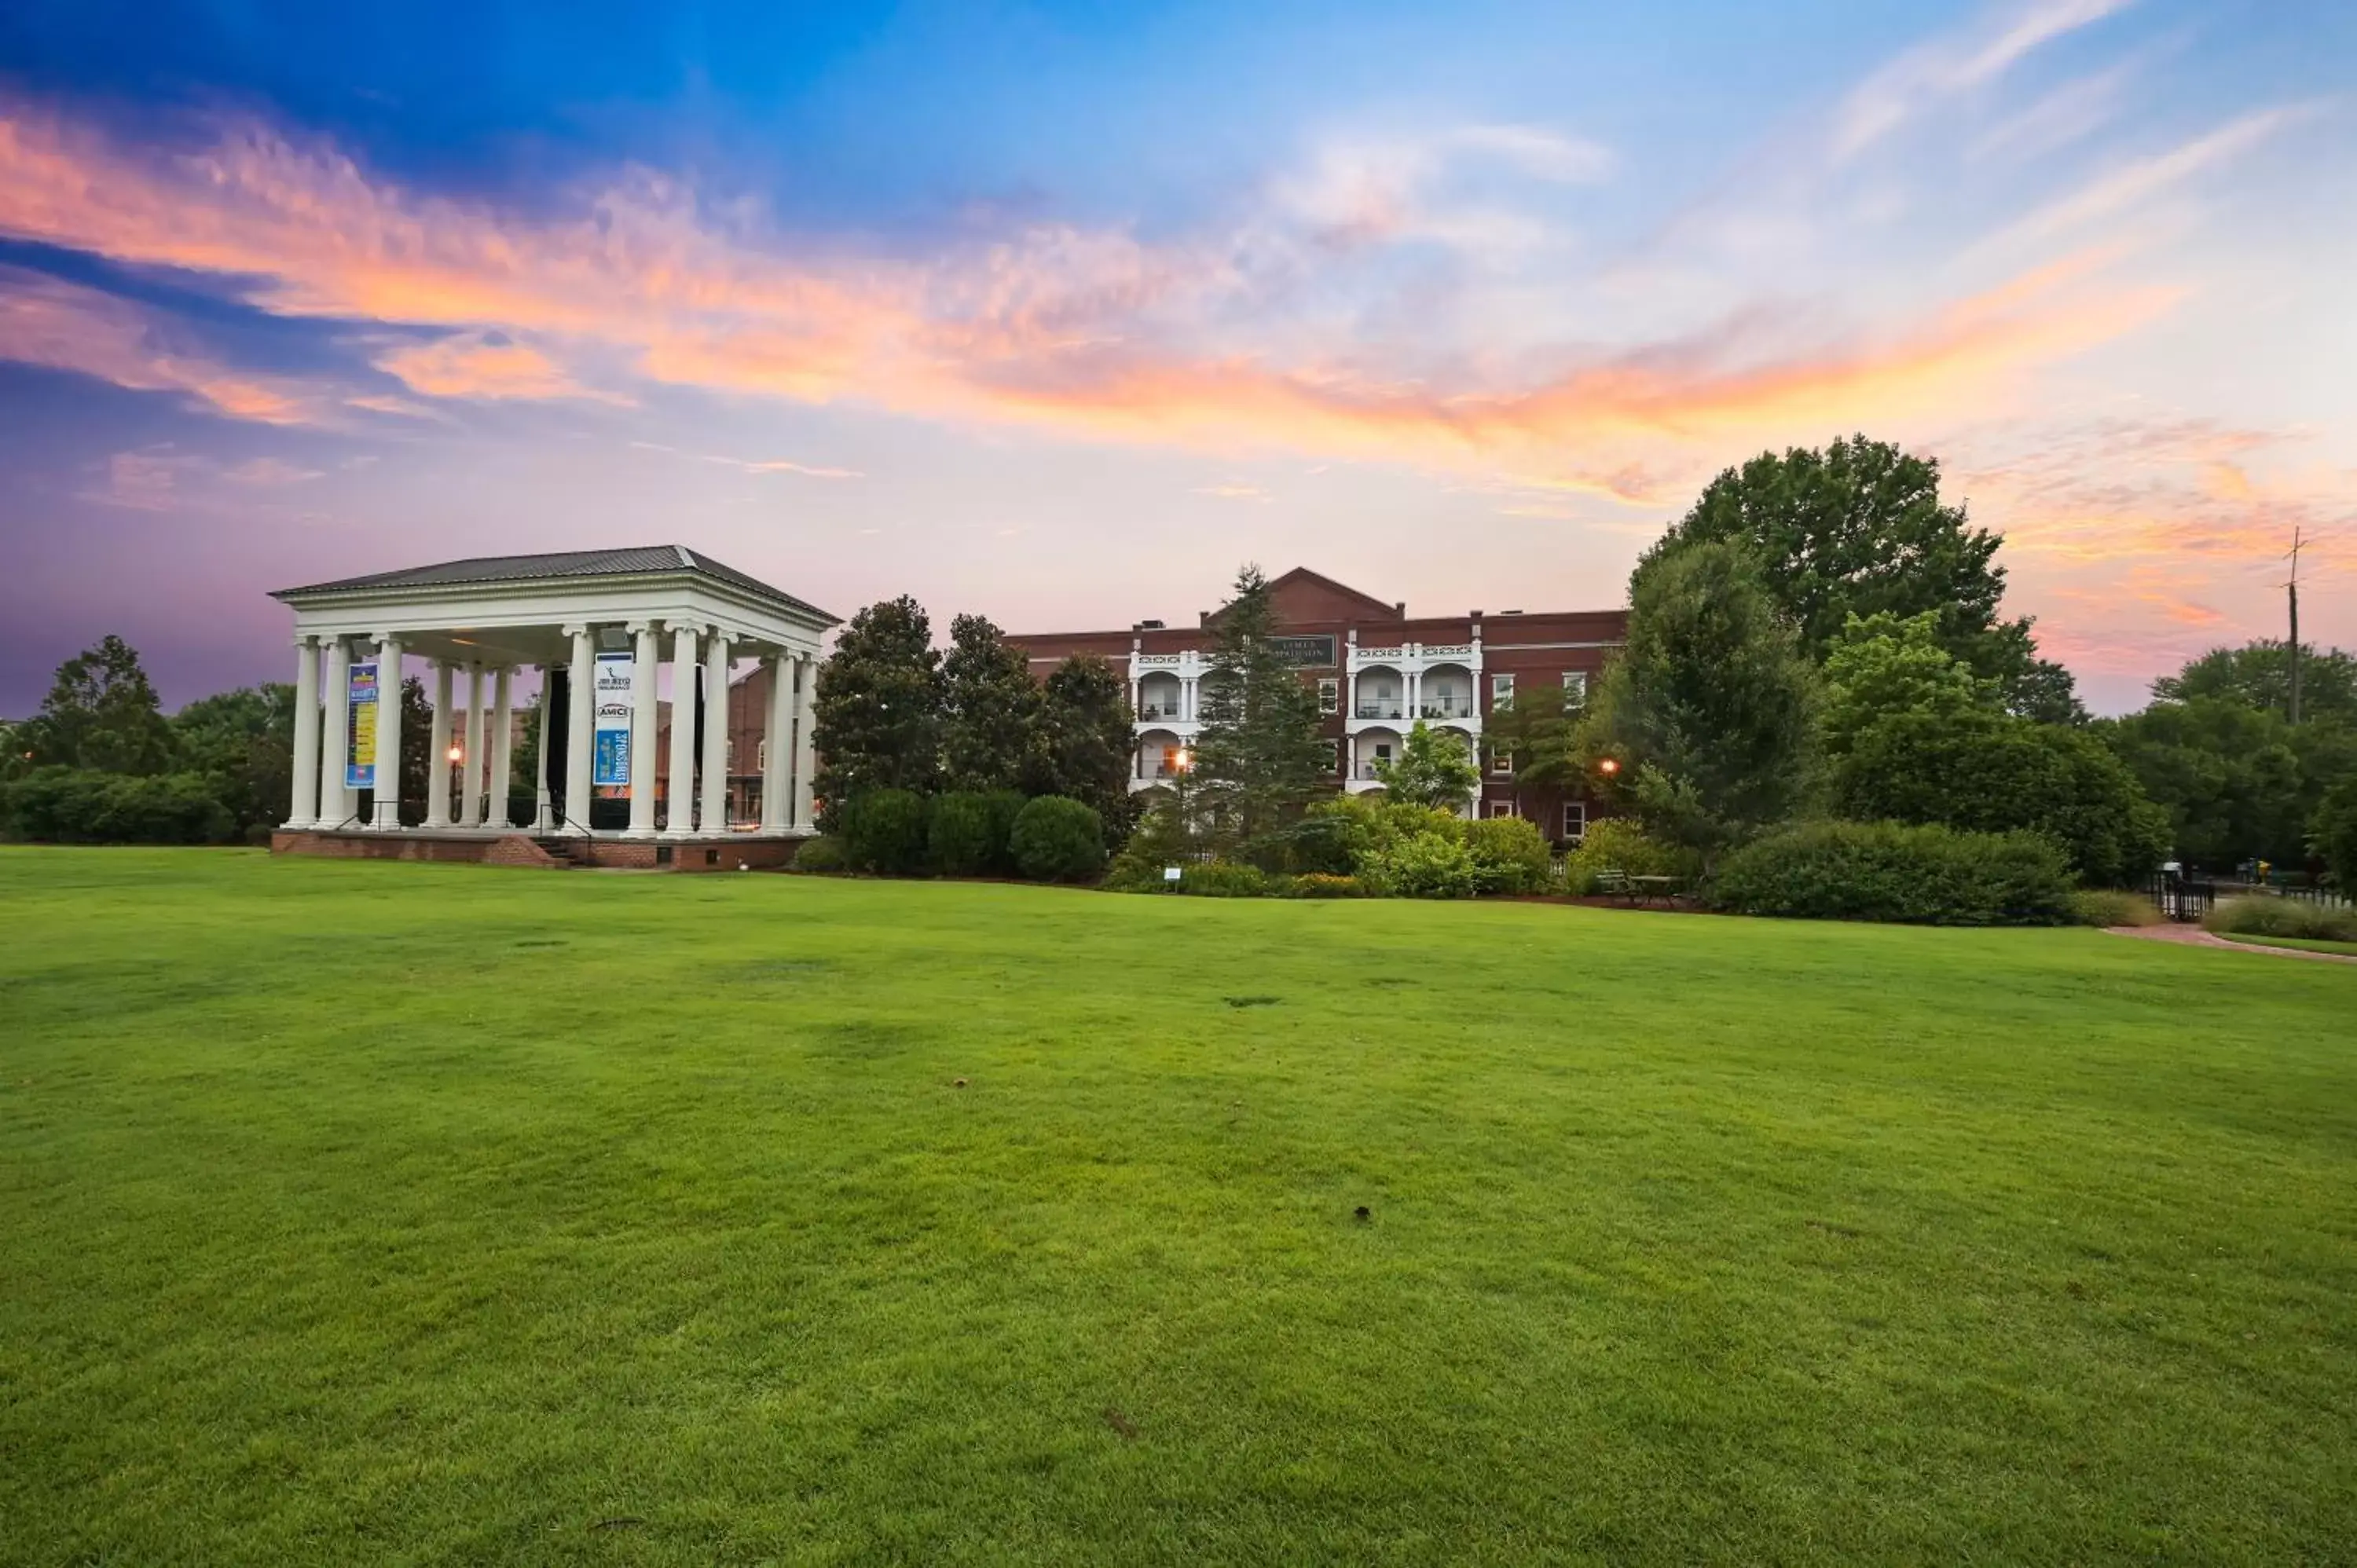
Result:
[[502, 750], [303, 805], [438, 752], [387, 792], [471, 803], [715, 733], [581, 722], [680, 784], [777, 746], [543, 799], [336, 738], [643, 657], [805, 723]]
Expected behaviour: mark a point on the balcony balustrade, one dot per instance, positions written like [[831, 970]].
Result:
[[1446, 708], [1158, 710], [1380, 708]]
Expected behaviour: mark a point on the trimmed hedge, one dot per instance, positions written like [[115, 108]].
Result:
[[820, 855], [1320, 884], [965, 837], [1056, 840], [1886, 871], [81, 805], [884, 830]]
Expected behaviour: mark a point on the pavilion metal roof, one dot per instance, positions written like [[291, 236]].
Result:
[[649, 560]]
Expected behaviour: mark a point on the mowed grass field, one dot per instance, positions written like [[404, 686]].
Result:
[[381, 1213]]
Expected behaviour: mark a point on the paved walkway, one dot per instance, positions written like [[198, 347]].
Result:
[[2194, 936]]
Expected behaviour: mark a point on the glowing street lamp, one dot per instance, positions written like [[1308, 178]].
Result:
[[1608, 767]]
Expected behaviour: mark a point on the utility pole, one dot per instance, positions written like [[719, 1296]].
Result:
[[2293, 589]]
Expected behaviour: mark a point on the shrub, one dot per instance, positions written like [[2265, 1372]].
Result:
[[1427, 865], [1224, 879], [81, 805], [1994, 773], [884, 830], [1618, 843], [1320, 843], [2111, 907], [1320, 885], [966, 835], [2264, 915], [1888, 871], [1508, 856], [822, 855], [1056, 840]]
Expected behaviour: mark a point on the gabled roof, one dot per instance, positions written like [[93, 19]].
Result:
[[644, 561], [1303, 577]]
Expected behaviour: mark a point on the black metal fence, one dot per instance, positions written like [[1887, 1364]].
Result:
[[2180, 899]]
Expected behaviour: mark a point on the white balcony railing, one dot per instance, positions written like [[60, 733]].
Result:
[[1380, 710]]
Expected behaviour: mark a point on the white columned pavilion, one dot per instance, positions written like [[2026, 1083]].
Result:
[[598, 616]]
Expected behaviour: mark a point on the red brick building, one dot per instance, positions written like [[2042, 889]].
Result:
[[1377, 669]]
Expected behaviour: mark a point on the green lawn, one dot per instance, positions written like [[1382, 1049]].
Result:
[[421, 1214]]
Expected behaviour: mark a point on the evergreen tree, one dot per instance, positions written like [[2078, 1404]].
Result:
[[990, 709], [877, 713], [1711, 706], [1085, 743], [1259, 761], [418, 758], [101, 712], [1538, 730], [1433, 768]]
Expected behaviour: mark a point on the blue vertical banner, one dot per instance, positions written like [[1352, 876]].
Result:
[[360, 706], [616, 673]]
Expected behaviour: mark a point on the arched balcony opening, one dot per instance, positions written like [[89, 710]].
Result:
[[1160, 697], [1379, 693], [1445, 691], [1370, 747]]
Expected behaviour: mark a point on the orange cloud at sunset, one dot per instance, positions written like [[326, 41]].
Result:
[[62, 326]]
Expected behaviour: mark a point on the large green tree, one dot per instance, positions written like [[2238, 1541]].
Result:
[[1259, 761], [1084, 742], [1881, 665], [1710, 710], [876, 715], [2333, 833], [2258, 675], [990, 709], [2239, 782], [244, 742], [101, 712], [1859, 528]]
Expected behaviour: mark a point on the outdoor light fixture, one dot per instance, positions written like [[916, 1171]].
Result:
[[1608, 767], [457, 753], [1184, 760]]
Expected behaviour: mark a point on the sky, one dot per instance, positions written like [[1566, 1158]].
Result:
[[1060, 313]]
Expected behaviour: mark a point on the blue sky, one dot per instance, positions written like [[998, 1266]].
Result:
[[1058, 313]]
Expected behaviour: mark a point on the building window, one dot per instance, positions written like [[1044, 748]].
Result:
[[1333, 757], [1574, 821], [1501, 691], [1575, 690], [1502, 808], [761, 755], [1502, 763], [1330, 694]]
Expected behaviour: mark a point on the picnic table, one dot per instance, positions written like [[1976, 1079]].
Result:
[[1633, 889]]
